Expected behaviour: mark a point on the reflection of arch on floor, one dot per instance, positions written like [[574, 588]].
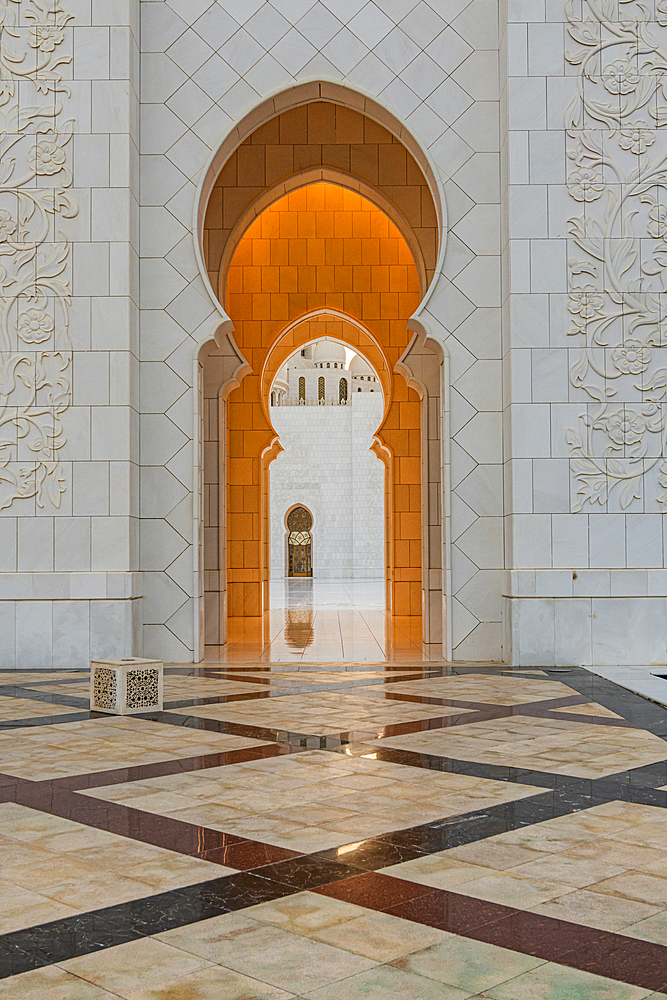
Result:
[[322, 255]]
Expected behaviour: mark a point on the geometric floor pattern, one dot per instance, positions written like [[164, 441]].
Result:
[[334, 831]]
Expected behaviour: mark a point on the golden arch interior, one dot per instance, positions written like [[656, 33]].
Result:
[[321, 223]]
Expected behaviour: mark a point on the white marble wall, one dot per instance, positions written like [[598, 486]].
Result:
[[584, 359], [69, 299], [328, 467]]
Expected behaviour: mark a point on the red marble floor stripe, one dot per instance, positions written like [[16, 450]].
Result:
[[628, 960], [248, 855], [374, 890]]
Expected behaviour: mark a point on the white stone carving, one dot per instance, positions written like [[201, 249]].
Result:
[[35, 292], [617, 258]]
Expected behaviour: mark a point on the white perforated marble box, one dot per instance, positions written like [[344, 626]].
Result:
[[126, 687]]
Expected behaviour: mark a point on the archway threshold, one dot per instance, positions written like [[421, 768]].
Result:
[[325, 621]]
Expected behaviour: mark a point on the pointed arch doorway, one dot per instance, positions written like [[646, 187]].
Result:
[[322, 245]]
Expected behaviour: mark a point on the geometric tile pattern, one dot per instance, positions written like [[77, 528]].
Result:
[[314, 800], [442, 836], [84, 747], [321, 713], [603, 867]]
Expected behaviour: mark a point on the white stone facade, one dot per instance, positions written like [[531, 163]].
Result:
[[544, 125], [328, 467]]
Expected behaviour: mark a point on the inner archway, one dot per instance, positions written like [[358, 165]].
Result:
[[328, 436]]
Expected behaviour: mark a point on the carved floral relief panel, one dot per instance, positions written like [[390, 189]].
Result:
[[617, 251], [35, 291]]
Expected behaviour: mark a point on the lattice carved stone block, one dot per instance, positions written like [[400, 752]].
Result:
[[126, 687]]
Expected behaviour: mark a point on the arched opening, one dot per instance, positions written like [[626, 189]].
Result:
[[350, 232], [299, 524], [329, 460]]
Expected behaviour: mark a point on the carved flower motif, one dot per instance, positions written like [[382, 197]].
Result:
[[620, 77], [632, 357], [35, 326], [625, 427], [657, 226], [7, 225], [585, 302], [637, 137], [48, 156], [45, 37], [585, 184]]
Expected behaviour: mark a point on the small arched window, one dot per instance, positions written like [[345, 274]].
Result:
[[302, 390], [342, 391], [321, 389], [273, 399]]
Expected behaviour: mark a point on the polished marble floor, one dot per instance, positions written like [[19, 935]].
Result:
[[334, 830], [325, 620]]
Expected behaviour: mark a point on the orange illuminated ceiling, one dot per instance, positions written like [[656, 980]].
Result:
[[322, 246]]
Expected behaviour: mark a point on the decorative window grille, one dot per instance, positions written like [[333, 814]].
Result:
[[302, 391], [321, 389], [342, 391]]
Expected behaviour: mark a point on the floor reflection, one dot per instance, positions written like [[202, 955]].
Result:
[[325, 621], [299, 630]]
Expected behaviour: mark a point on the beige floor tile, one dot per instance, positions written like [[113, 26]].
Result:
[[26, 825], [379, 936], [388, 983], [473, 966], [133, 853], [593, 909], [305, 912], [511, 890], [559, 983], [47, 874], [618, 852], [653, 928], [147, 962], [27, 909], [50, 983], [176, 872], [212, 983], [289, 961], [575, 872], [492, 854], [438, 870], [636, 885], [26, 708], [93, 893]]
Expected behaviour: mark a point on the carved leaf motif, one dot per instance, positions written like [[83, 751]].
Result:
[[622, 239], [35, 389]]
